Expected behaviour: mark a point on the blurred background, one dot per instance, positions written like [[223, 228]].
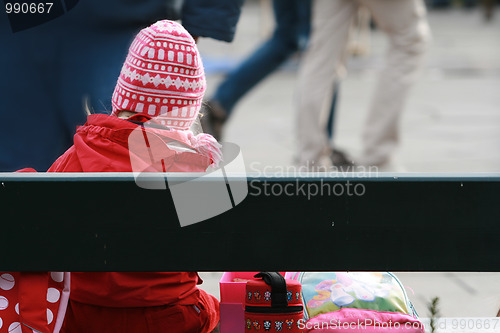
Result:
[[451, 122]]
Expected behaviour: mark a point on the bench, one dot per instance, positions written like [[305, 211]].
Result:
[[398, 222]]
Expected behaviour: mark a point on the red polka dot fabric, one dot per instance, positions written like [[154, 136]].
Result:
[[31, 302]]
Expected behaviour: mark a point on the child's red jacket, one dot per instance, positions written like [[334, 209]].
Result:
[[101, 145]]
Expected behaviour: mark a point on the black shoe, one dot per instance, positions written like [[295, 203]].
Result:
[[341, 161], [213, 118]]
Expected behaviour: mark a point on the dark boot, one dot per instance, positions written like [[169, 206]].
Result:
[[341, 161], [213, 118]]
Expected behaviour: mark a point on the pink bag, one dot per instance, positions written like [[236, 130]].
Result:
[[33, 301], [362, 321], [355, 302]]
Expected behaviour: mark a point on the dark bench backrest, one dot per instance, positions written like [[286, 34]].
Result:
[[89, 222]]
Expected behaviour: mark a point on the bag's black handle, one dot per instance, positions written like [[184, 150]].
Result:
[[278, 288]]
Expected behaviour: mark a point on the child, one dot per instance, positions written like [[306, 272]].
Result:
[[159, 91]]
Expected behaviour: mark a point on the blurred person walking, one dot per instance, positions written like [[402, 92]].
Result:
[[291, 33], [405, 23], [292, 22]]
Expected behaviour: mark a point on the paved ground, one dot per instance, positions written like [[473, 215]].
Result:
[[451, 124]]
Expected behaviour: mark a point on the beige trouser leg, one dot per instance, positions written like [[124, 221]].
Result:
[[331, 20], [405, 23]]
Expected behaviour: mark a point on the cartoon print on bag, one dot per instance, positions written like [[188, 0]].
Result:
[[256, 324], [367, 287], [339, 297], [278, 325], [289, 323], [249, 324], [267, 325], [257, 296], [297, 295], [289, 295], [250, 295], [324, 293], [347, 288], [267, 296]]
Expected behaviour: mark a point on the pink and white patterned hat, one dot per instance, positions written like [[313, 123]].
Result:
[[162, 77]]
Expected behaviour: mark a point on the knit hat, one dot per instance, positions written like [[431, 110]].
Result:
[[162, 76]]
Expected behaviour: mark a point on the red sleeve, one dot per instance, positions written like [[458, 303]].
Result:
[[26, 170], [68, 162]]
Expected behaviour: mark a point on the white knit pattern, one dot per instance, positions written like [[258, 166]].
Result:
[[162, 76]]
